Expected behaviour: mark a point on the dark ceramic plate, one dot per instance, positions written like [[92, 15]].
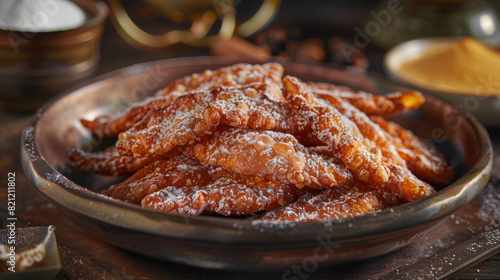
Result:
[[228, 243]]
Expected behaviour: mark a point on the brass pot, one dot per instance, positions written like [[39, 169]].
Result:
[[202, 15], [34, 66]]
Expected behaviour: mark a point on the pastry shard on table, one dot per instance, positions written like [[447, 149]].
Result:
[[20, 260], [244, 141]]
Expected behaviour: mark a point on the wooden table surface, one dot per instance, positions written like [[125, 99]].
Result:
[[453, 244]]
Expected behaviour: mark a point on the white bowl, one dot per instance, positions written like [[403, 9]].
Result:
[[485, 108]]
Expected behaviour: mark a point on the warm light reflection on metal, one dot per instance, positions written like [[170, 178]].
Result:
[[487, 24]]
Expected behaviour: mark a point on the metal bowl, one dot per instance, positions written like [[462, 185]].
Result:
[[484, 108], [36, 66], [229, 243]]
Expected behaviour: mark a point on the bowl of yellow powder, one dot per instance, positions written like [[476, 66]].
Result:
[[460, 70]]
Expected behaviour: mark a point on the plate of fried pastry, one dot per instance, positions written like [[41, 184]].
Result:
[[230, 164]]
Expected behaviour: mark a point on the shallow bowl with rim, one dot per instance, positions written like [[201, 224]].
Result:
[[230, 243]]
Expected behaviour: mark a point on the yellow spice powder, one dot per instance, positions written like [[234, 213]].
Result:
[[467, 67]]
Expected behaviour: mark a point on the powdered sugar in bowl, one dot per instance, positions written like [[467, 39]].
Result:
[[46, 47]]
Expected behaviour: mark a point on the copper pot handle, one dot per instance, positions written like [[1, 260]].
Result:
[[197, 34]]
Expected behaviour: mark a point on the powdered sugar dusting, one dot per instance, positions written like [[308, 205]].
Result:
[[241, 132], [224, 196], [274, 155], [332, 203], [489, 210]]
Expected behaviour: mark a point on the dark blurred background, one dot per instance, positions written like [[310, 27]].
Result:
[[302, 20], [353, 34], [309, 26]]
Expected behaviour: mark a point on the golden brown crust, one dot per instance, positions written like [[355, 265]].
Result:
[[224, 196], [273, 155], [334, 129], [109, 161], [183, 185], [198, 114], [178, 171], [370, 104], [332, 203], [232, 76], [423, 160]]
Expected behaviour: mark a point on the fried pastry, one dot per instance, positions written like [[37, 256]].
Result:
[[390, 138], [178, 171], [112, 125], [109, 161], [182, 172], [242, 141], [224, 196], [334, 129], [375, 139], [232, 76], [378, 105], [273, 155], [198, 114], [423, 160], [332, 203]]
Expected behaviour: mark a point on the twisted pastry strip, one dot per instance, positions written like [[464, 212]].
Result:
[[182, 172]]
